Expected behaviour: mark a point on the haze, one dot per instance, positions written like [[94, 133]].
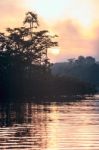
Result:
[[76, 22]]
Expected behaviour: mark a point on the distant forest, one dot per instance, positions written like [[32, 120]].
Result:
[[25, 69], [83, 68]]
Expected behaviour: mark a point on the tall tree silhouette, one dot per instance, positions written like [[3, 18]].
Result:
[[32, 19], [31, 44], [23, 56]]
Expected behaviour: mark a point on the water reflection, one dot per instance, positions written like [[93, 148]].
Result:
[[50, 126]]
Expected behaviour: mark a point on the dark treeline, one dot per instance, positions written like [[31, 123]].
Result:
[[83, 68], [25, 70]]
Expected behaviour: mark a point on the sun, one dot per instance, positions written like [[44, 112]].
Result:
[[54, 51]]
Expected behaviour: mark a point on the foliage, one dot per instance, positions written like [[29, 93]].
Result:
[[26, 43], [84, 68], [25, 66]]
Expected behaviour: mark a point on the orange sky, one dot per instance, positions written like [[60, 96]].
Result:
[[75, 21]]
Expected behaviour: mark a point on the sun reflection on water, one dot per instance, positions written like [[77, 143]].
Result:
[[72, 126]]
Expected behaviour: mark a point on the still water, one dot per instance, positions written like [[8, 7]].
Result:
[[53, 126]]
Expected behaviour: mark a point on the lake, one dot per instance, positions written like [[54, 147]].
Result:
[[52, 126]]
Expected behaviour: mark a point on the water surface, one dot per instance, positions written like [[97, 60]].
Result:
[[53, 126]]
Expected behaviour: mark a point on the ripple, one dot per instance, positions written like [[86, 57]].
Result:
[[50, 127]]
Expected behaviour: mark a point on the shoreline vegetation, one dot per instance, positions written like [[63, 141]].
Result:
[[49, 99], [25, 69]]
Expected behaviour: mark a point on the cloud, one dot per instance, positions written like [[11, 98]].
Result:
[[11, 13], [95, 43], [73, 42], [10, 7]]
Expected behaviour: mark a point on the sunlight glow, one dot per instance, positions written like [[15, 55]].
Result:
[[83, 15], [75, 22], [48, 9], [57, 10], [54, 51]]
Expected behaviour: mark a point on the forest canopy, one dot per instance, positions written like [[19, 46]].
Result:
[[27, 43], [25, 69]]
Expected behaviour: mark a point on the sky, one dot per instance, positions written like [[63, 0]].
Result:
[[76, 22]]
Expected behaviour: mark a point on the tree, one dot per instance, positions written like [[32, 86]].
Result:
[[23, 56], [31, 45], [32, 19], [90, 60], [71, 61]]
